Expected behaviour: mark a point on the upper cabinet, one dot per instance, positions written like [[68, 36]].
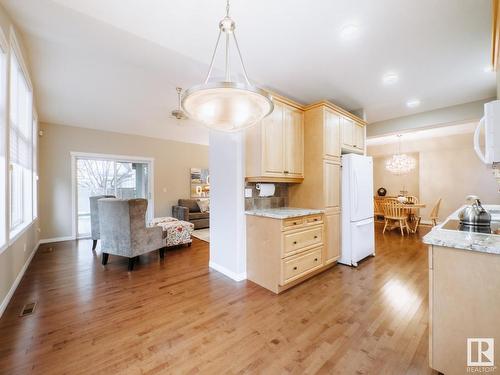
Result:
[[275, 147], [353, 135], [331, 134]]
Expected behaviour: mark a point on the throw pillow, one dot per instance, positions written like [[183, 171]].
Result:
[[204, 205]]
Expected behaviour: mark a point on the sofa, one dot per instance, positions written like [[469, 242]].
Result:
[[188, 210]]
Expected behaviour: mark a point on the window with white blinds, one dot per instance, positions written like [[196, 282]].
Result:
[[21, 147], [3, 148]]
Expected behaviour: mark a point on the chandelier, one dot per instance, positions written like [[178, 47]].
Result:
[[228, 105], [399, 163]]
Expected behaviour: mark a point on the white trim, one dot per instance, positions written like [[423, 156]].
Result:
[[235, 276], [74, 216], [125, 158], [18, 279], [57, 239]]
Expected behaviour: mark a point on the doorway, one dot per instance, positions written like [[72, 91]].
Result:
[[125, 178]]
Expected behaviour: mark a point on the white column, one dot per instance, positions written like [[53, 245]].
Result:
[[227, 204]]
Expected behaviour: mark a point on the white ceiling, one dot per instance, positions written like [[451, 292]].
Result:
[[437, 132], [114, 64]]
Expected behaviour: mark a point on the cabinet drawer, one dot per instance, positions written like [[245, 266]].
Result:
[[315, 219], [307, 237], [293, 222], [300, 265]]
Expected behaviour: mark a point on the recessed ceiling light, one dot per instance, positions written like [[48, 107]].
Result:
[[349, 31], [390, 78], [413, 103], [488, 69]]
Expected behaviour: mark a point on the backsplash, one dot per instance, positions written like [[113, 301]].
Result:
[[280, 198]]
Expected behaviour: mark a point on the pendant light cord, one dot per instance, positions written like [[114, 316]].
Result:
[[227, 57]]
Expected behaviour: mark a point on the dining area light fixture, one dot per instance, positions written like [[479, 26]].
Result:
[[400, 164], [227, 105]]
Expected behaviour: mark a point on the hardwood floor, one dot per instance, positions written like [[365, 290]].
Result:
[[178, 316]]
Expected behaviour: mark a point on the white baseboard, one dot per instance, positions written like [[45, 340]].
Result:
[[235, 276], [18, 279], [57, 239]]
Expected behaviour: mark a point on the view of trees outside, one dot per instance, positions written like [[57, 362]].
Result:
[[125, 180]]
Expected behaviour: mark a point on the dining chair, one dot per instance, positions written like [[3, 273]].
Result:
[[434, 216], [377, 207], [394, 212], [414, 213]]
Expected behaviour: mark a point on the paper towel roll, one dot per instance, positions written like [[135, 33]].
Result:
[[265, 190]]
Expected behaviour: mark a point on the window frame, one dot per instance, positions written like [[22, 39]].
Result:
[[4, 76], [14, 49]]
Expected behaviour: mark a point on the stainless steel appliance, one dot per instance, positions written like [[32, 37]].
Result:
[[474, 214]]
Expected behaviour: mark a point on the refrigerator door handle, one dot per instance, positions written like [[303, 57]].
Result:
[[364, 222]]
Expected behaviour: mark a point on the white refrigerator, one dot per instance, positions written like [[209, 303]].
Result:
[[358, 235]]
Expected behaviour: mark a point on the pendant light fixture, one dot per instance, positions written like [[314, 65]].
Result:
[[399, 163], [228, 105]]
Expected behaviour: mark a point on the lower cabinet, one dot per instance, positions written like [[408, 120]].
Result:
[[332, 237], [284, 252]]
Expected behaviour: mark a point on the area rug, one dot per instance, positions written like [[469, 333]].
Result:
[[202, 234]]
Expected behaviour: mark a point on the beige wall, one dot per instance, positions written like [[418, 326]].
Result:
[[394, 183], [15, 257], [172, 161], [449, 169]]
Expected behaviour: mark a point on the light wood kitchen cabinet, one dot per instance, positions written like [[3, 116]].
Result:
[[294, 142], [347, 133], [331, 134], [463, 304], [359, 137], [273, 143], [284, 252], [332, 237], [353, 135], [331, 184], [275, 147]]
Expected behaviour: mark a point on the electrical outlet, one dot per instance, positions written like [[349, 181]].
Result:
[[248, 193]]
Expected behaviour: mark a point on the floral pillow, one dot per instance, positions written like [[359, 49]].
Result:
[[204, 205]]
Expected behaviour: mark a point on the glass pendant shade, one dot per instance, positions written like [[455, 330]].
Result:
[[399, 163], [229, 105]]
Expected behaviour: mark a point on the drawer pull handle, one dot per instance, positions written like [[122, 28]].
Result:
[[286, 172], [295, 268], [294, 223], [295, 242], [315, 259], [316, 219], [315, 237]]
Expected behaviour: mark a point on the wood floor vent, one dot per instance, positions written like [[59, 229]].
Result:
[[28, 309]]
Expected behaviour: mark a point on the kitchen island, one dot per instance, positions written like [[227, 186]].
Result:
[[464, 296], [286, 246]]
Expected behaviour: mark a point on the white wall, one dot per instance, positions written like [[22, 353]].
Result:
[[227, 204], [395, 183], [448, 169]]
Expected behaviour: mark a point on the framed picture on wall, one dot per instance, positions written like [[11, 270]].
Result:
[[200, 183]]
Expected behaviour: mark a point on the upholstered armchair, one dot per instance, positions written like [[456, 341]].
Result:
[[94, 218], [123, 229]]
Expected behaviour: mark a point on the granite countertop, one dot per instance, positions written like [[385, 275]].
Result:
[[283, 212], [481, 242]]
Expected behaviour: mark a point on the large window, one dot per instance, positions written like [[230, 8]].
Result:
[[3, 147], [21, 144], [124, 179]]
